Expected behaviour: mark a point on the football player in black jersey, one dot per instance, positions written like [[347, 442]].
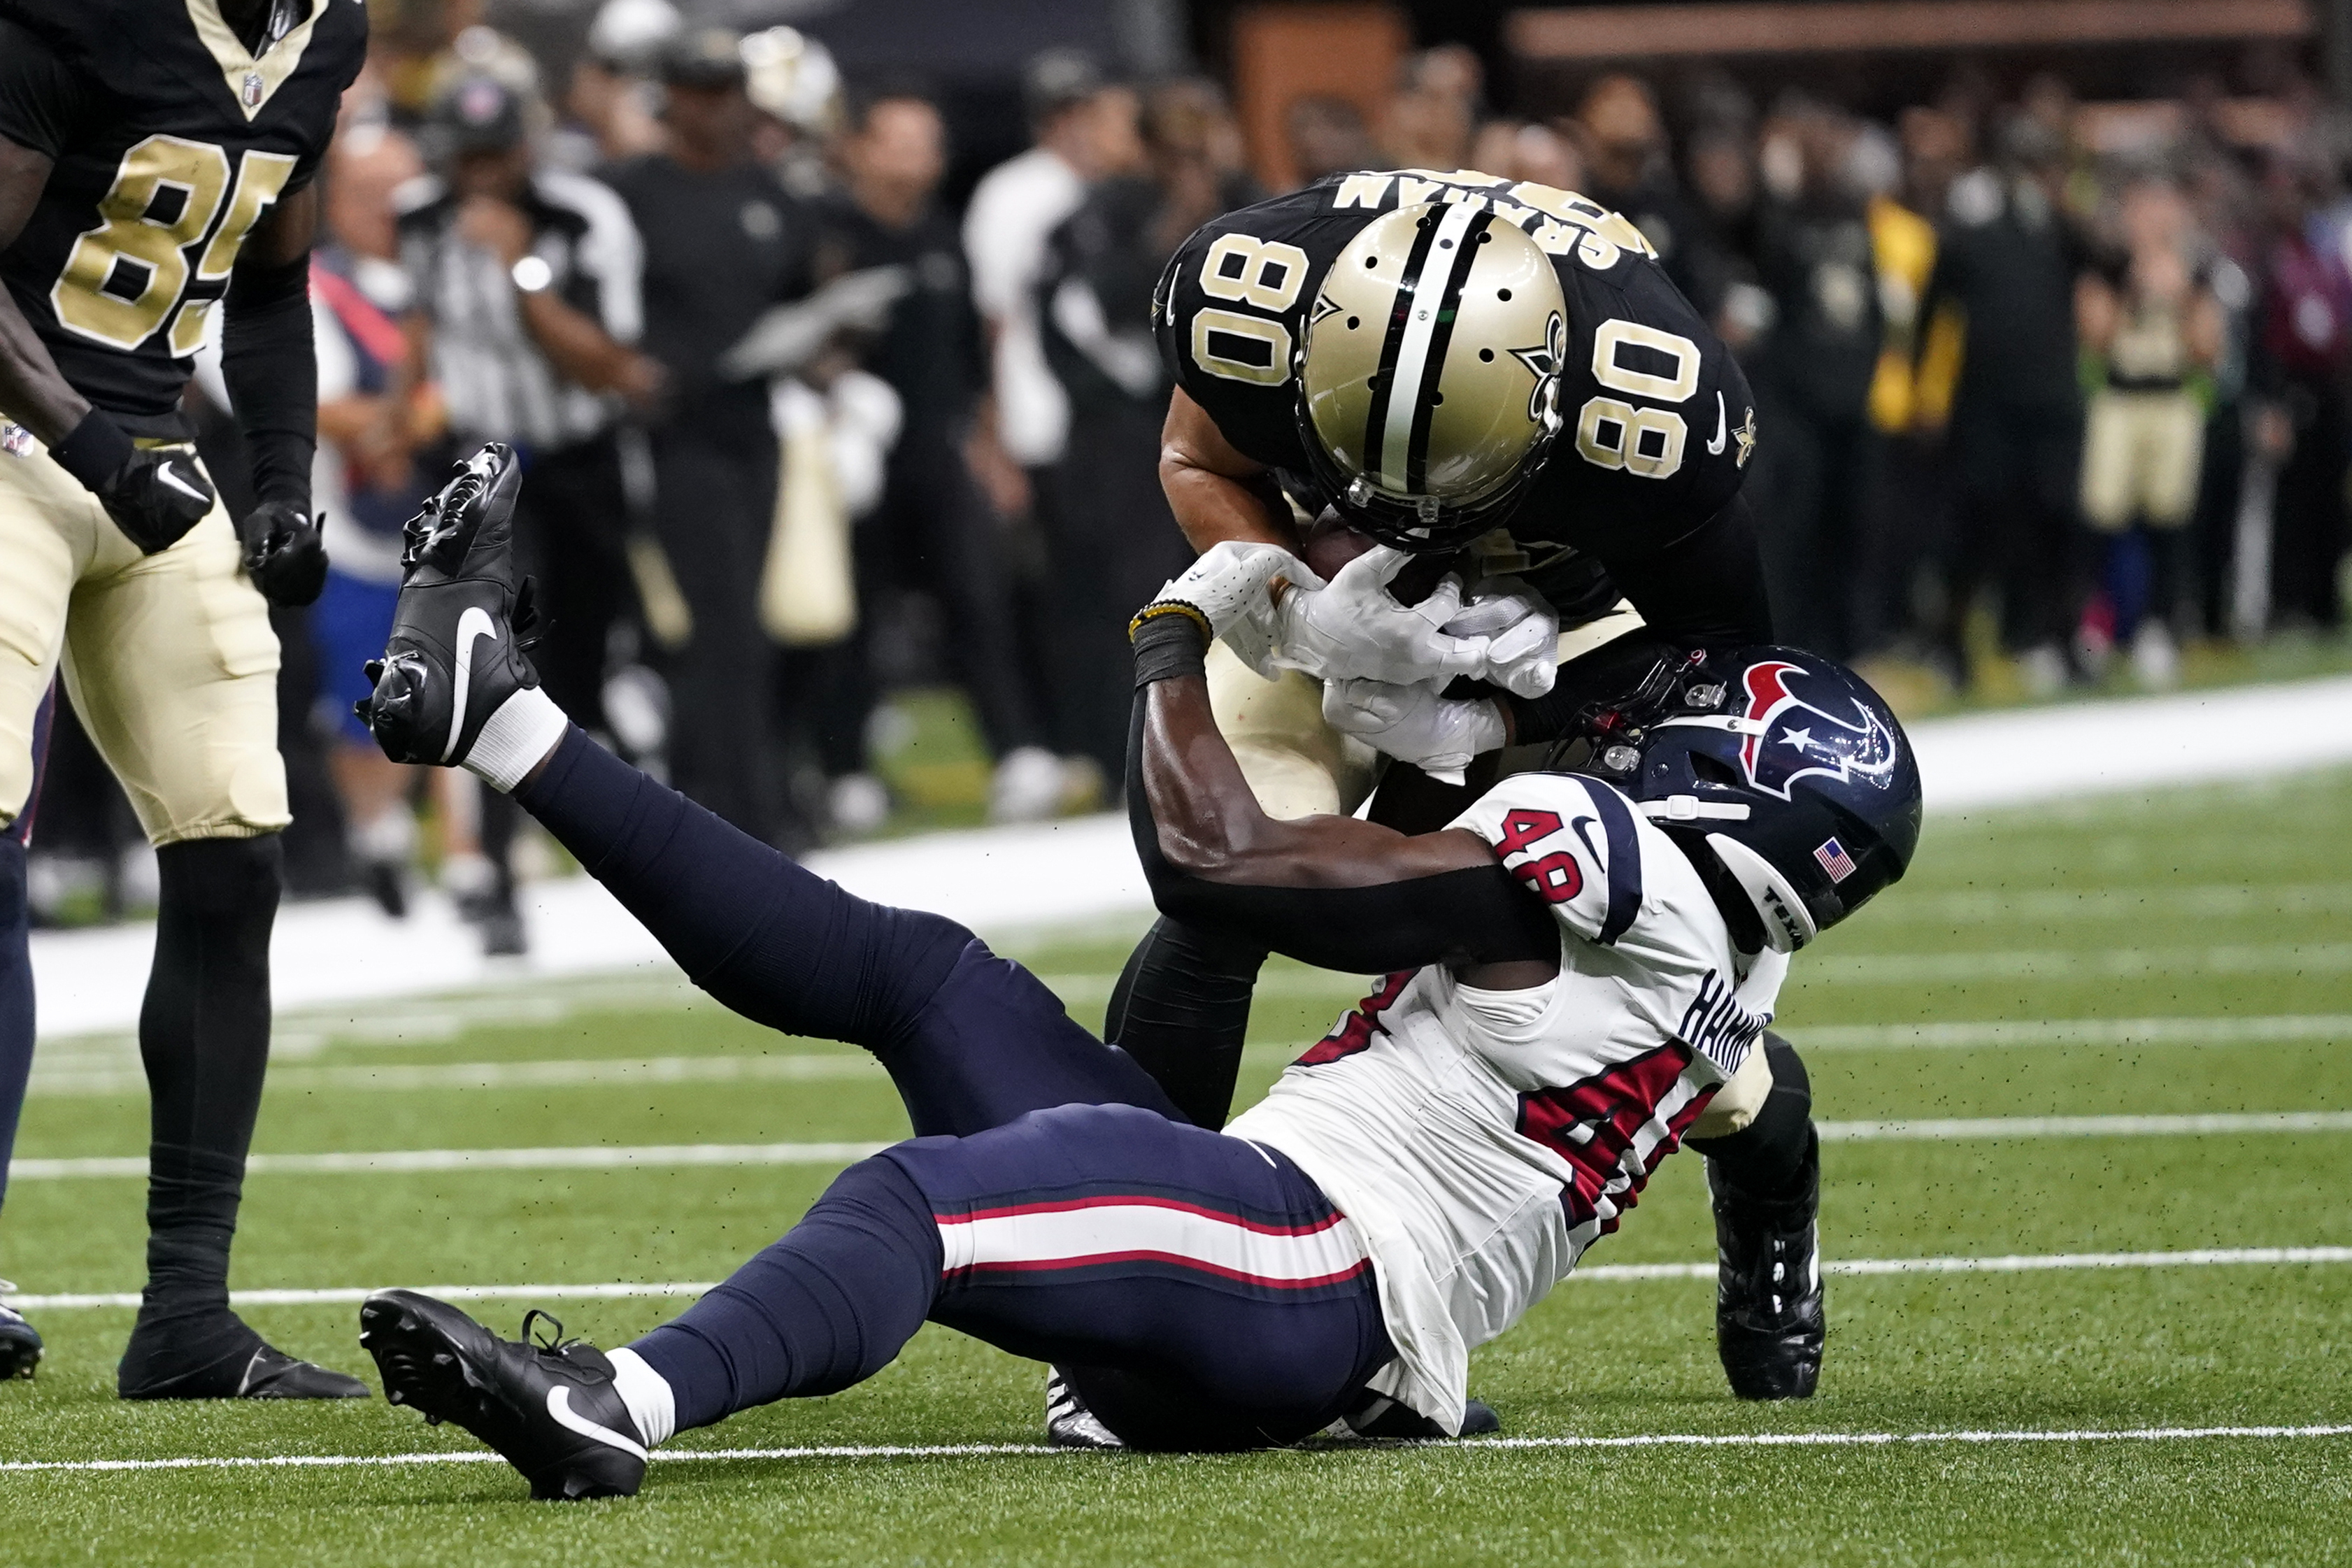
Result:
[[156, 161], [1497, 383]]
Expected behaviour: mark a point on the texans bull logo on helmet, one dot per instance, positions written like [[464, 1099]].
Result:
[[1792, 739]]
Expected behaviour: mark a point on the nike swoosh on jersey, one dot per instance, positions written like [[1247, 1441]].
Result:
[[474, 623], [163, 472], [559, 1407], [1722, 428]]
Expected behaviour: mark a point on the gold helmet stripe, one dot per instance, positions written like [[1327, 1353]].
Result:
[[1425, 300]]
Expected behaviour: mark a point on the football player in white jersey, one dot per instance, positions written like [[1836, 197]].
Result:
[[1577, 966]]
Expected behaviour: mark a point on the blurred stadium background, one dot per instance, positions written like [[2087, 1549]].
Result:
[[2085, 1075]]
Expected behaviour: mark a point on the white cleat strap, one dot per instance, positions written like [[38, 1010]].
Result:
[[515, 739]]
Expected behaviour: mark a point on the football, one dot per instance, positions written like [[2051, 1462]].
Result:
[[1332, 544]]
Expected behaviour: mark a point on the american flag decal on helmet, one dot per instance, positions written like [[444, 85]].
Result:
[[1835, 860]]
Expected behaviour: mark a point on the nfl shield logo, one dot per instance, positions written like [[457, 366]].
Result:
[[1835, 860], [253, 85]]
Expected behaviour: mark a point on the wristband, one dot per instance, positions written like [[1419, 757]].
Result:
[[94, 451], [1171, 640]]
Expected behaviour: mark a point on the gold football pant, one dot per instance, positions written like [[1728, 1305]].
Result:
[[2141, 454], [169, 657]]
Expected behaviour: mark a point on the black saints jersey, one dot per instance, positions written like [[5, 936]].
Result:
[[169, 142], [1657, 422]]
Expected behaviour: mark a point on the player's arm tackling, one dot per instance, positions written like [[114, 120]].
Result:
[[1329, 890]]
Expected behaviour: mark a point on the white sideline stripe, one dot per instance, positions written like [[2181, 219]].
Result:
[[2074, 1032], [2188, 1126], [1040, 1451], [1855, 1267], [684, 1154], [809, 1067], [588, 1159]]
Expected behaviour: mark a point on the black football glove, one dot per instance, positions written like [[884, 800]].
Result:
[[283, 553], [156, 496], [153, 496]]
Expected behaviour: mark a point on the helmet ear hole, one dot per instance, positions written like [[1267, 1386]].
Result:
[[1714, 771]]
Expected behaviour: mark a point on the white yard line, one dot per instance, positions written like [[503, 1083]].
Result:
[[1040, 1451], [1602, 1273], [619, 1157], [2210, 1123], [2200, 900], [586, 1159], [793, 1068], [2076, 964], [2323, 1027]]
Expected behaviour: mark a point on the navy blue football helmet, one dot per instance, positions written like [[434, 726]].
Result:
[[1791, 772]]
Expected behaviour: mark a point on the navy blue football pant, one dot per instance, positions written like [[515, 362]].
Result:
[[16, 948], [1199, 1290]]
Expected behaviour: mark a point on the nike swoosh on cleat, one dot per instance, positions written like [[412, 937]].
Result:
[[163, 472], [1714, 448], [474, 623], [558, 1406]]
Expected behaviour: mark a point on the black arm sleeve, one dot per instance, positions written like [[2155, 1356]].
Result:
[[1705, 590], [41, 98], [1479, 914], [272, 369]]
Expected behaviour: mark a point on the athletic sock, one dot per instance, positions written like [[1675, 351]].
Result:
[[1182, 1009], [826, 1307], [204, 1037], [774, 941], [1769, 1159], [653, 1407], [16, 995]]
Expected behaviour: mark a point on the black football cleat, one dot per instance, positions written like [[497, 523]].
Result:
[[549, 1408], [1068, 1423], [158, 1364], [1380, 1419], [461, 624], [20, 1343], [1770, 1324]]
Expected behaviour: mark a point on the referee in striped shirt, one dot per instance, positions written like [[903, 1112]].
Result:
[[528, 304]]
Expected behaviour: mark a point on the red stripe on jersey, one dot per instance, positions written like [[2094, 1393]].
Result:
[[1592, 1126]]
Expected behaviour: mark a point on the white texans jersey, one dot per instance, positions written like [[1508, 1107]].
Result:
[[1480, 1140]]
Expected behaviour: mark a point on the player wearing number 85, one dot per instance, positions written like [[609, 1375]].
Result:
[[156, 160]]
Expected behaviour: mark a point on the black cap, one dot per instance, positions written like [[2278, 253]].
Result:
[[1058, 80], [480, 113], [704, 57]]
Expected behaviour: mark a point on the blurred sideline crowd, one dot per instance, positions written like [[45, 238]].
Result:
[[2038, 387]]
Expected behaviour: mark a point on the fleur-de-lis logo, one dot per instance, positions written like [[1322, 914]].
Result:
[[1543, 362], [1745, 436]]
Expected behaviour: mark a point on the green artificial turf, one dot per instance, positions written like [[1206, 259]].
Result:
[[2234, 905]]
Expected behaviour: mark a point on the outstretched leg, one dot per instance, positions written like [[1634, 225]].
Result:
[[1201, 1292], [972, 1040]]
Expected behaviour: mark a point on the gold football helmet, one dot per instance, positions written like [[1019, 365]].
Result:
[[1429, 371]]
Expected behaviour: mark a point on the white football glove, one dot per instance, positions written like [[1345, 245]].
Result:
[[1227, 585], [1353, 629], [1522, 633], [1414, 724]]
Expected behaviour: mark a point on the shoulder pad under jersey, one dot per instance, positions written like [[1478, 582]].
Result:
[[1573, 841]]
